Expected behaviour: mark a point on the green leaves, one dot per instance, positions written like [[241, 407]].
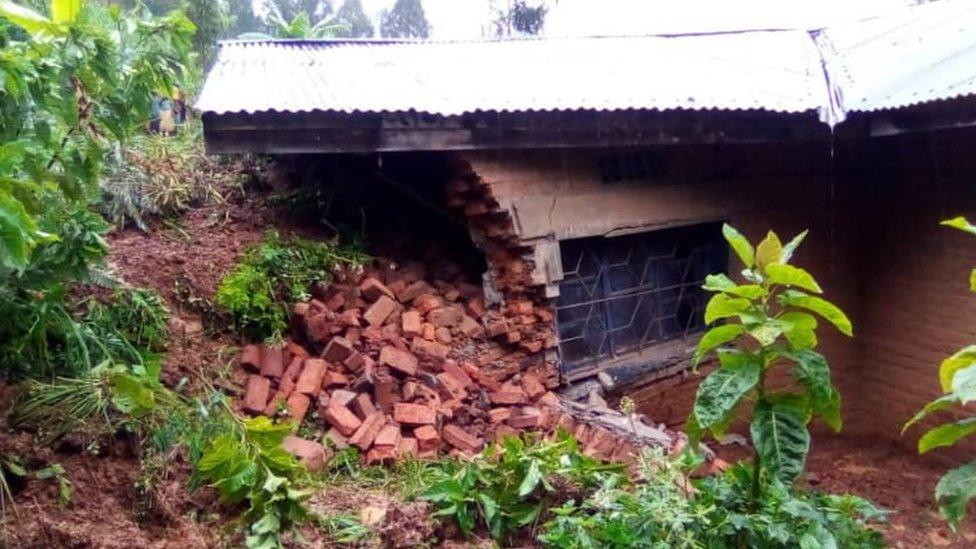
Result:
[[720, 392], [25, 18], [960, 223], [946, 434], [65, 11], [769, 251], [788, 275], [18, 233], [963, 358], [954, 491], [780, 437], [813, 373], [721, 283], [740, 245], [723, 306], [830, 312], [715, 337]]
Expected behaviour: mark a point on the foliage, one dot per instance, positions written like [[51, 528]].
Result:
[[79, 83], [665, 511], [509, 485], [277, 271], [957, 375], [353, 20], [299, 26], [249, 463], [11, 467], [769, 320], [139, 315], [212, 19], [406, 20], [520, 18]]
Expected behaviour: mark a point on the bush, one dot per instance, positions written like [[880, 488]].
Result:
[[274, 273], [665, 511]]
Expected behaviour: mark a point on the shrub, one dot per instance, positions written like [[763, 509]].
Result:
[[957, 375], [277, 271], [510, 485], [769, 321]]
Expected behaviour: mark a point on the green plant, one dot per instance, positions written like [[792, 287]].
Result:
[[277, 271], [139, 315], [510, 485], [12, 465], [249, 463], [769, 322], [957, 375]]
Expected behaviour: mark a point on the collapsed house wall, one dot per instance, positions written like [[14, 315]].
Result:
[[550, 196]]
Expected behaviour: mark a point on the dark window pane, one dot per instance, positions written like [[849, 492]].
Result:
[[622, 294]]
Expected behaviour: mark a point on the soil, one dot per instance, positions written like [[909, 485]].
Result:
[[184, 263]]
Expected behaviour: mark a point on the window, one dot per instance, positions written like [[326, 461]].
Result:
[[623, 294]]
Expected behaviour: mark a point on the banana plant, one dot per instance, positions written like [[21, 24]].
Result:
[[957, 376], [63, 13], [769, 321]]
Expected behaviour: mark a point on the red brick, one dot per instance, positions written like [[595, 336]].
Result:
[[389, 436], [367, 431], [362, 406], [426, 303], [334, 379], [378, 312], [521, 307], [453, 385], [427, 438], [498, 415], [451, 367], [310, 380], [338, 350], [272, 362], [343, 397], [409, 390], [279, 398], [414, 414], [318, 327], [531, 347], [461, 439], [256, 395], [381, 454], [288, 379], [385, 393], [513, 337], [342, 419], [429, 348], [408, 447], [533, 389], [544, 315], [251, 357], [312, 454], [298, 404], [504, 431], [411, 292], [526, 417], [471, 327], [336, 438], [507, 396], [348, 319], [411, 323], [372, 289], [476, 307], [549, 399], [428, 331], [397, 359], [497, 327], [443, 336], [446, 317], [355, 362]]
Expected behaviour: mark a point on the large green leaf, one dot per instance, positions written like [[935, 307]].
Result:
[[25, 18], [715, 337], [964, 384], [788, 275], [944, 402], [963, 358], [740, 245], [17, 232], [799, 328], [721, 283], [65, 11], [766, 334], [813, 372], [721, 391], [960, 223], [954, 491], [946, 434], [780, 435], [769, 251], [972, 280], [822, 307], [724, 306]]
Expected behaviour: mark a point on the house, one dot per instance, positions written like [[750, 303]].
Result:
[[593, 175]]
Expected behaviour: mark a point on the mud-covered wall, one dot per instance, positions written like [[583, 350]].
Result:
[[555, 195]]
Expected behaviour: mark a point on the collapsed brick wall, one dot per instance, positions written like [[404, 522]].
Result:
[[917, 307], [547, 196]]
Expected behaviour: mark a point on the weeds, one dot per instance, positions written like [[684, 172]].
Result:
[[277, 271]]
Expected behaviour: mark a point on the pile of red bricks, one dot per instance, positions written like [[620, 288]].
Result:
[[396, 365]]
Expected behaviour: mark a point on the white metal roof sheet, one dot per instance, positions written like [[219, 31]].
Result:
[[775, 70]]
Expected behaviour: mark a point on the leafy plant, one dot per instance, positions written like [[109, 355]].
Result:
[[509, 485], [12, 465], [249, 463], [275, 272], [767, 323], [666, 511], [957, 375]]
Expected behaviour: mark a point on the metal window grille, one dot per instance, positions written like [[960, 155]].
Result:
[[622, 294]]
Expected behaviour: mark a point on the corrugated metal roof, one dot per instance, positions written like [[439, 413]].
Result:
[[776, 70], [917, 55]]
